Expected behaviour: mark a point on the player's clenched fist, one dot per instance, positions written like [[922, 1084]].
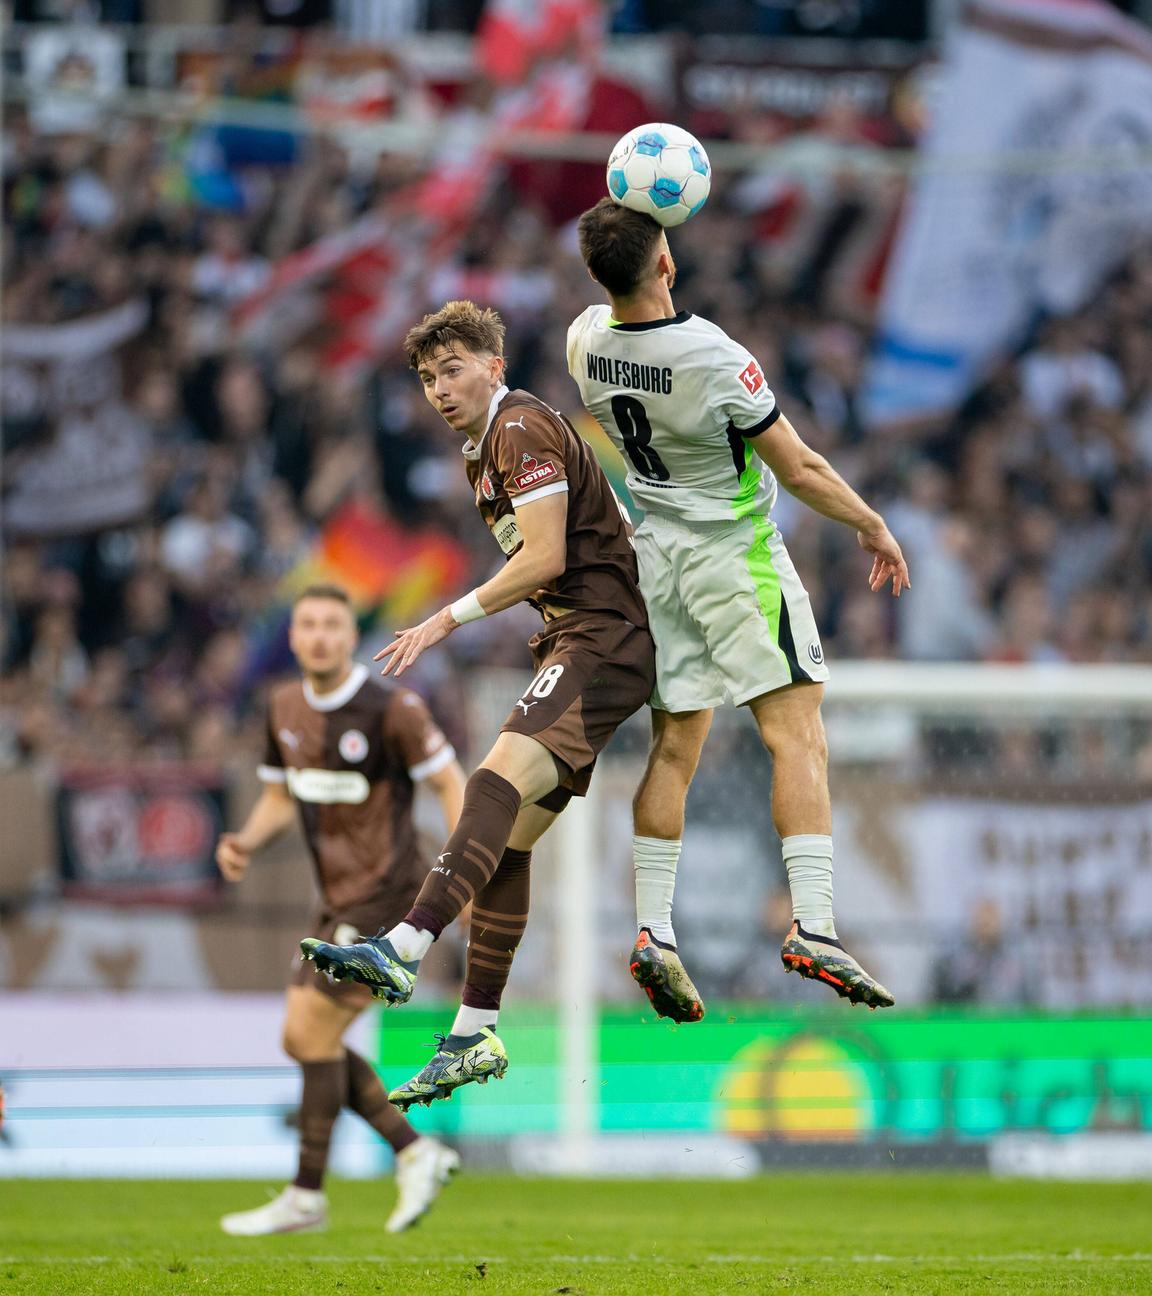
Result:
[[232, 857]]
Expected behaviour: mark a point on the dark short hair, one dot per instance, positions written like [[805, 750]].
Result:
[[456, 323], [617, 245], [323, 590]]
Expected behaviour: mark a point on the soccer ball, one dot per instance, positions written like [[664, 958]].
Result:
[[662, 171]]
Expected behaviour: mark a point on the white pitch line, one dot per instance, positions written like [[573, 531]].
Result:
[[786, 1259]]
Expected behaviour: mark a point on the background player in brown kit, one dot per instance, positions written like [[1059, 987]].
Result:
[[344, 752], [569, 549]]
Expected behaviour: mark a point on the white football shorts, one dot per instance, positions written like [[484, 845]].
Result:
[[729, 615]]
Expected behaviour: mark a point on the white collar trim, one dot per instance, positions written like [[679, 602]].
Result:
[[471, 451], [338, 697]]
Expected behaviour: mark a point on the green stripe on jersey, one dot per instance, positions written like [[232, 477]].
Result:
[[745, 501], [765, 577]]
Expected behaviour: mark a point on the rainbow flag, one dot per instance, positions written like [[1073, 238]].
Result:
[[389, 571]]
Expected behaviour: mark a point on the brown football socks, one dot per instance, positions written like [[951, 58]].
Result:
[[499, 915], [469, 860], [325, 1090], [350, 1081], [369, 1100]]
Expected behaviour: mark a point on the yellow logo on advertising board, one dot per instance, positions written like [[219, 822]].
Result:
[[803, 1089]]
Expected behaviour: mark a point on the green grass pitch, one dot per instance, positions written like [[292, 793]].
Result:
[[813, 1234]]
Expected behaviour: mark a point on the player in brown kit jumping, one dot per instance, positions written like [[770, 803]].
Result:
[[344, 752], [570, 554]]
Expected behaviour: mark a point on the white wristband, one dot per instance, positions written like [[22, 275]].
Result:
[[467, 609]]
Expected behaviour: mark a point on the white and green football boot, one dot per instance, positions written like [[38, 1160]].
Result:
[[823, 958], [459, 1060], [372, 962]]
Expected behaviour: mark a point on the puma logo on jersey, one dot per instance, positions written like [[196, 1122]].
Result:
[[525, 705], [288, 738], [519, 423], [441, 858]]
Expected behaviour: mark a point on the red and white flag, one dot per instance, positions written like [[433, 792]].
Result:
[[376, 270], [515, 34]]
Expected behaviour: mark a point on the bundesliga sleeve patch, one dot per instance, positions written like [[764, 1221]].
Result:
[[752, 378], [533, 472]]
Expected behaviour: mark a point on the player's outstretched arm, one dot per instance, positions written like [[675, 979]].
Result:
[[812, 479], [273, 812], [540, 558]]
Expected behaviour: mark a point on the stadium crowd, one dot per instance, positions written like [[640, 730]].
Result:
[[1027, 518]]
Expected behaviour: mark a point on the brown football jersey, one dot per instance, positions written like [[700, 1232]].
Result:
[[530, 451], [351, 759]]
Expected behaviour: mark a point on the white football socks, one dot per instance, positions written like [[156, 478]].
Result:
[[808, 859], [410, 942], [655, 860], [469, 1020]]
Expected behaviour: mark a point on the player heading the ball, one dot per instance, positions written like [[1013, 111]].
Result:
[[707, 443]]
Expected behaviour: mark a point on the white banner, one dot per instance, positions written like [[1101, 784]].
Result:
[[1037, 183], [75, 70], [1067, 883], [91, 470]]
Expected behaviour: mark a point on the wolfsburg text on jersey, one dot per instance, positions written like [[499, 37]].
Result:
[[624, 373]]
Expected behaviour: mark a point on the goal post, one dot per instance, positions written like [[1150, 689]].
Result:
[[879, 715]]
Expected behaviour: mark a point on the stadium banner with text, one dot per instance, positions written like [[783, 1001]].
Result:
[[84, 457], [1029, 196], [724, 88], [1049, 872], [139, 834]]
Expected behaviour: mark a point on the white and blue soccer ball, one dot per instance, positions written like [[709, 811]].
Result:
[[662, 171]]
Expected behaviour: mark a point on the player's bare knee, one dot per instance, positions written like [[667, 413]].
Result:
[[294, 1042]]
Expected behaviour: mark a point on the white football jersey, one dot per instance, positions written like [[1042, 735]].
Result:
[[678, 396]]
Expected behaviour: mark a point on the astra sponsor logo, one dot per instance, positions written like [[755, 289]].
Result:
[[533, 472]]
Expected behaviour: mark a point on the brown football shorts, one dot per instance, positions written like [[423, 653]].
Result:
[[593, 670]]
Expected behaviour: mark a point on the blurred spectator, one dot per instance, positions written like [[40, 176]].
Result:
[[57, 662], [983, 965], [205, 545], [1065, 367]]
